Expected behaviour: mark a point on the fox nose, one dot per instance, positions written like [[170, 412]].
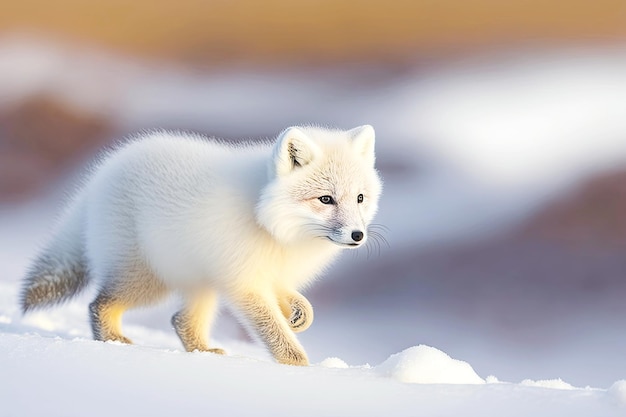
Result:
[[357, 235]]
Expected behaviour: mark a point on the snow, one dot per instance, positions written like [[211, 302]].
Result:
[[74, 376], [78, 377], [493, 139], [333, 363], [427, 365], [547, 383], [542, 108], [618, 392]]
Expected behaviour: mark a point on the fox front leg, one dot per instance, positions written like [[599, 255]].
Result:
[[264, 316], [297, 310]]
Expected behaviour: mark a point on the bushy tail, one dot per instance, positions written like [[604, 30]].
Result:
[[60, 271]]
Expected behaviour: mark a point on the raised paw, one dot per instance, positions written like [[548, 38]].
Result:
[[297, 319], [301, 316]]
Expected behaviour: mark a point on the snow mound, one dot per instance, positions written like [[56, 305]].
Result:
[[618, 392], [333, 363], [548, 383], [427, 365]]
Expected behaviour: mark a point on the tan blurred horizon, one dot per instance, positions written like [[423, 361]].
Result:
[[316, 31]]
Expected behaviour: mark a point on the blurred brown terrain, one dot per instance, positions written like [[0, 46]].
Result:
[[593, 215], [40, 141]]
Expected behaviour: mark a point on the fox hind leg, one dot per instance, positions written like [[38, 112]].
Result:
[[193, 321], [132, 288], [105, 313]]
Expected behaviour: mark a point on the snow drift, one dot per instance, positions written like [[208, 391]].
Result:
[[427, 365]]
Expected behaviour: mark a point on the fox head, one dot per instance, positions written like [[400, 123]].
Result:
[[322, 185]]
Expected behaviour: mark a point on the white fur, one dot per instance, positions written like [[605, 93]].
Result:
[[190, 207]]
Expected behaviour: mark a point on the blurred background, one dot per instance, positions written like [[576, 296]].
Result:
[[501, 137]]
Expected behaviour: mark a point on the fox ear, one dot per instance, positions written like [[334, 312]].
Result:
[[363, 138], [294, 149]]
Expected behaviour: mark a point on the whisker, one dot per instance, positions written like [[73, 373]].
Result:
[[373, 246], [376, 241], [377, 238], [382, 227], [368, 248], [380, 238], [318, 229]]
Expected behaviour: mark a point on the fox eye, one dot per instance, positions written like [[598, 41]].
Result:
[[359, 198], [326, 199]]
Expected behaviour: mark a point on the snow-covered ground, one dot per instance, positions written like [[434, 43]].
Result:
[[50, 366], [53, 376], [466, 151]]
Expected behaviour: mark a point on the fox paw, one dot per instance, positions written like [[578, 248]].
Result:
[[301, 314], [123, 339], [203, 348], [115, 338], [293, 357], [297, 318]]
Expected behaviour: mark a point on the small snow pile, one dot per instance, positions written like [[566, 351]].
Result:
[[427, 365], [618, 392], [492, 379], [548, 383], [333, 363]]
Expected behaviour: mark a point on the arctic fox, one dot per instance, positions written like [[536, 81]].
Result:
[[253, 223]]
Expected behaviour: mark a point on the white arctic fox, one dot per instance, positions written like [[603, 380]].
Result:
[[253, 223]]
